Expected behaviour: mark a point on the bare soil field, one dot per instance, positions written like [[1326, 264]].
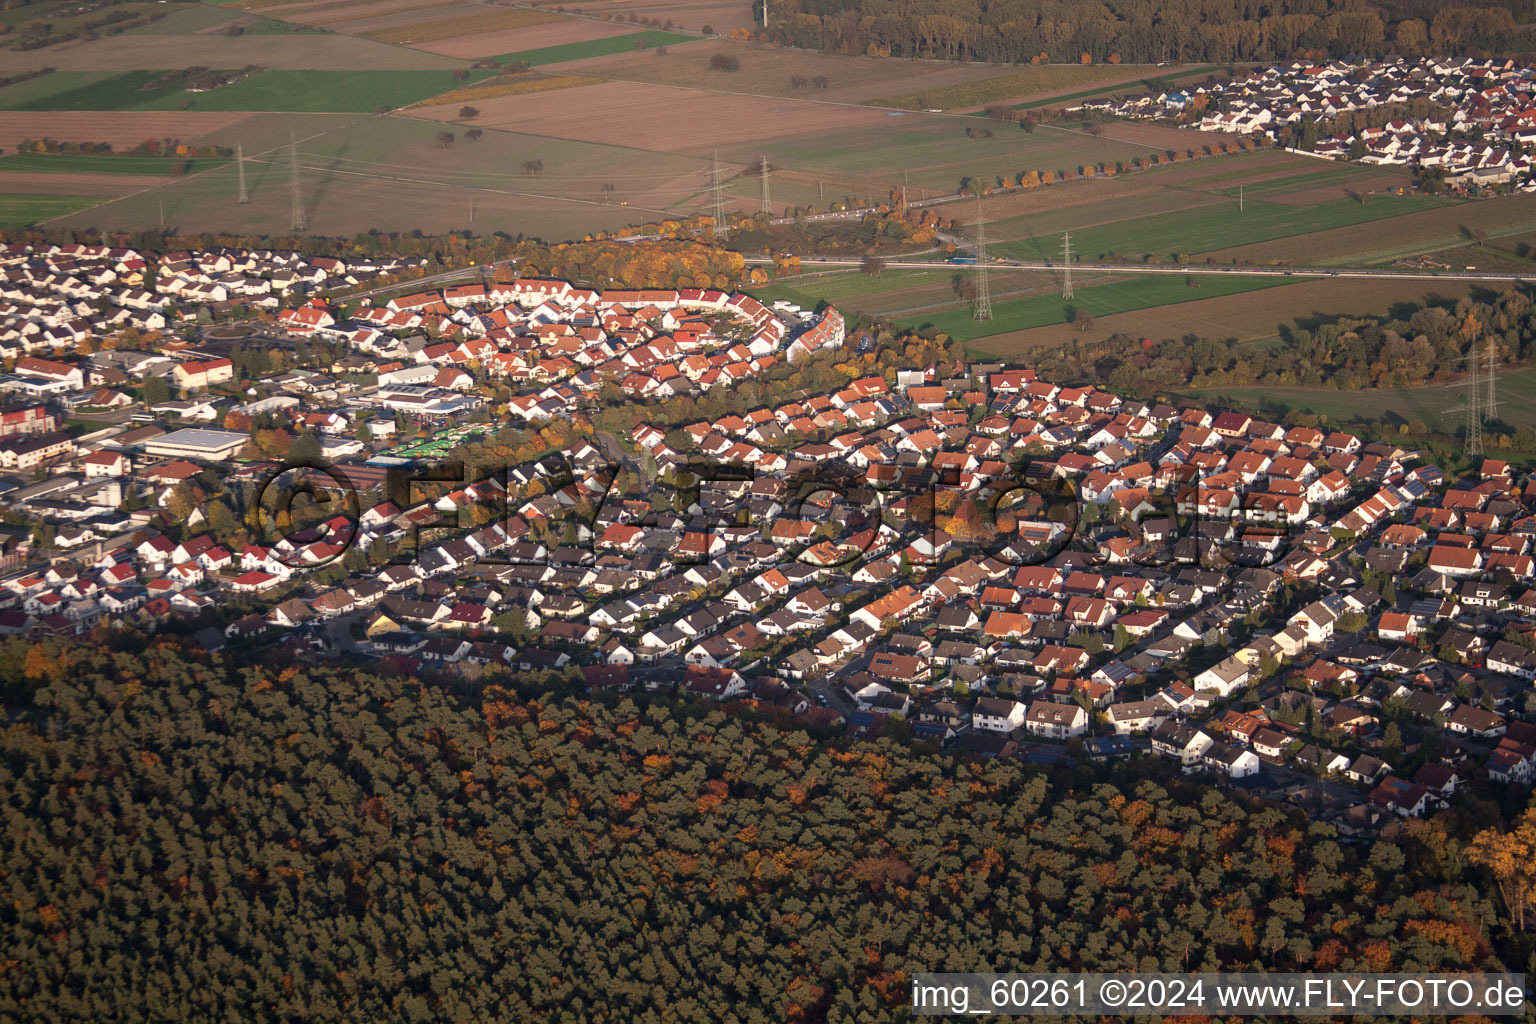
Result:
[[1247, 316], [461, 20], [657, 117], [720, 15], [362, 21], [123, 129], [1161, 136], [766, 70], [339, 204], [512, 40], [296, 52], [68, 183], [1016, 85], [333, 11], [1383, 241]]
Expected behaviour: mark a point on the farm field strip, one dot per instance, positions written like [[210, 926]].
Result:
[[1121, 296], [770, 71], [1209, 227], [603, 47], [123, 130], [1437, 406], [90, 163], [316, 51], [1427, 231], [1014, 85], [17, 210], [489, 20], [504, 42], [1242, 317], [36, 91]]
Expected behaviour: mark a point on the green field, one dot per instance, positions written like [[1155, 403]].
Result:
[[21, 210], [125, 91], [1440, 407], [27, 95], [1202, 229], [1098, 300], [105, 163], [289, 91], [593, 48], [841, 287]]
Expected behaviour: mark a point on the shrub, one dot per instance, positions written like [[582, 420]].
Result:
[[724, 62]]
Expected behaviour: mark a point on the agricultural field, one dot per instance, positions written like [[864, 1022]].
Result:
[[1193, 209], [627, 42], [390, 173], [1432, 231], [508, 85], [721, 16], [301, 51], [1243, 317], [1440, 407], [1023, 84], [1121, 295], [771, 71], [92, 163], [35, 93], [21, 210], [189, 20], [123, 130], [435, 28], [297, 91], [665, 119]]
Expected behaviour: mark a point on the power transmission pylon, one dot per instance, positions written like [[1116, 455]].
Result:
[[1239, 197], [767, 202], [1066, 262], [1474, 440], [245, 196], [1493, 374], [298, 222], [903, 193], [717, 198], [983, 310]]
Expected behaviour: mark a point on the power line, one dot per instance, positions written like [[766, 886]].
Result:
[[1493, 374], [717, 200], [245, 196], [983, 310], [299, 222], [1066, 261]]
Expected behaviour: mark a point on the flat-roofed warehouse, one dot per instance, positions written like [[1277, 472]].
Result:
[[195, 443]]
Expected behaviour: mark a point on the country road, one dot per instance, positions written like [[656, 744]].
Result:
[[1373, 274]]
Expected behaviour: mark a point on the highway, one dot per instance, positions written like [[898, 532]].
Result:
[[1372, 274]]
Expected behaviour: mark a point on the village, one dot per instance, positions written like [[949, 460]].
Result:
[[1469, 122], [961, 555]]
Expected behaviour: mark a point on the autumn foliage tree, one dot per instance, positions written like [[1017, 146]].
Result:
[[1509, 854]]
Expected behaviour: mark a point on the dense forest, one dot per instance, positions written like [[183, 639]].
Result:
[[190, 839], [1148, 31]]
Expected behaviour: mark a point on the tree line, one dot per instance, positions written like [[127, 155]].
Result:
[[1147, 31]]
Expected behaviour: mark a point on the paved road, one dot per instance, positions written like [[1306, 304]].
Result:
[[1143, 268], [479, 271]]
